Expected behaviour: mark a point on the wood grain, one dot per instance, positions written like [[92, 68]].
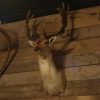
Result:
[[29, 91], [82, 46], [81, 33], [34, 77], [89, 97], [81, 64], [88, 48], [21, 91], [68, 61]]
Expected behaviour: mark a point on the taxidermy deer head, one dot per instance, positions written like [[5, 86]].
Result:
[[53, 81]]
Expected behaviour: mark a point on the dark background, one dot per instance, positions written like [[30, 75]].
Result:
[[14, 10]]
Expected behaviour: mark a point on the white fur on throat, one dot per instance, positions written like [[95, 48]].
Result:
[[51, 76]]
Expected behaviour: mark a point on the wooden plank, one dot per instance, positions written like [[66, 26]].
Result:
[[88, 32], [73, 88], [37, 98], [21, 78], [93, 29], [82, 33], [65, 61], [82, 46], [23, 66], [20, 92], [34, 77], [77, 60], [83, 73], [24, 53], [89, 97], [86, 87]]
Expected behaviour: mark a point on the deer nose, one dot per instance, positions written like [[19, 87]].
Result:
[[36, 49]]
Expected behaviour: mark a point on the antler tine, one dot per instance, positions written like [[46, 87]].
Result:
[[45, 34], [64, 16], [27, 25]]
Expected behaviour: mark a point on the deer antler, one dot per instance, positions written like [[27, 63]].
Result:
[[8, 60], [31, 33], [2, 31], [34, 38], [64, 15], [27, 25]]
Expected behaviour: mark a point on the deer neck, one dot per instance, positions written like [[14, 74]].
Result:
[[44, 53]]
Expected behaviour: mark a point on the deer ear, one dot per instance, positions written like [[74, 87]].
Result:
[[52, 40], [32, 43]]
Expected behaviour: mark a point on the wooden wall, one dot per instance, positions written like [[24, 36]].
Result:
[[22, 79]]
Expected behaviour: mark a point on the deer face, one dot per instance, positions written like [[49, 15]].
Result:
[[43, 46]]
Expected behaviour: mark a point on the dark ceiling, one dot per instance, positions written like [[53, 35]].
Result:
[[14, 10]]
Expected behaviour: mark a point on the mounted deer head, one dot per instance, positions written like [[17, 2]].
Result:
[[53, 81]]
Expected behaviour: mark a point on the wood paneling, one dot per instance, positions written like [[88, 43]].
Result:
[[82, 64], [76, 88], [89, 97], [66, 61], [23, 91], [21, 78], [34, 77], [85, 45]]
